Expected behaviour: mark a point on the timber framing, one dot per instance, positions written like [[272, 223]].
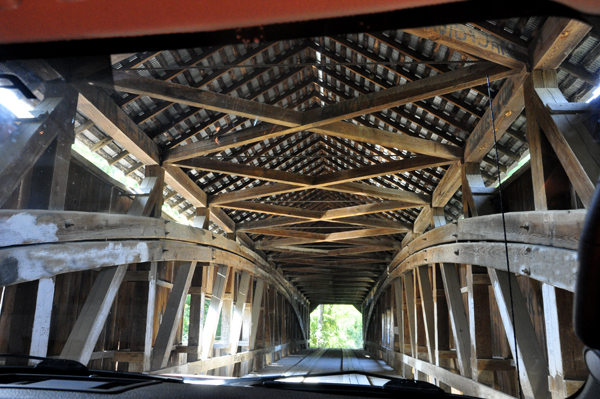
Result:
[[356, 169]]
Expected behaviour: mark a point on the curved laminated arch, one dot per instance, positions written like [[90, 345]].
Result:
[[41, 244], [541, 245]]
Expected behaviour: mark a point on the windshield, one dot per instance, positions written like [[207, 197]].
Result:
[[185, 210]]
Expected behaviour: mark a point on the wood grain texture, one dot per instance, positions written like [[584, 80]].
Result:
[[475, 42]]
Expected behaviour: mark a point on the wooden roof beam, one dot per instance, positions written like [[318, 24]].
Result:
[[301, 146], [362, 73], [108, 116], [410, 92], [365, 209], [332, 237], [133, 83], [258, 191], [472, 41], [421, 89], [274, 210], [221, 116], [507, 106], [170, 74], [415, 55], [229, 137], [102, 110], [305, 181], [557, 38], [389, 139], [315, 215], [359, 262], [380, 192], [249, 171], [387, 168]]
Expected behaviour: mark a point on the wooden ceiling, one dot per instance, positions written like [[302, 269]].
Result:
[[325, 150]]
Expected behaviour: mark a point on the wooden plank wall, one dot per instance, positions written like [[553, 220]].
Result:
[[87, 192], [90, 190]]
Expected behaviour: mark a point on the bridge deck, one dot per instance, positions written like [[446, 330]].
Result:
[[315, 361]]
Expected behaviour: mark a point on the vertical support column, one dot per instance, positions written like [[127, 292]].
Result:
[[238, 313], [214, 311], [197, 298], [479, 323], [256, 319], [533, 368], [49, 175], [427, 308], [51, 171], [173, 313], [92, 317], [534, 139], [399, 297], [41, 321], [256, 305], [227, 310], [150, 203], [269, 322], [476, 195], [143, 322], [545, 181], [458, 318], [409, 288], [202, 219], [442, 333]]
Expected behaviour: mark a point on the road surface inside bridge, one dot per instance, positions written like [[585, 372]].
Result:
[[315, 361]]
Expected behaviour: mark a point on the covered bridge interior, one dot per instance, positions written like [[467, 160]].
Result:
[[357, 169]]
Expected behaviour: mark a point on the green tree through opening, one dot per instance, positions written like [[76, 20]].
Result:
[[336, 326]]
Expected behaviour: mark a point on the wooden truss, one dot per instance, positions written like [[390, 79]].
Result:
[[329, 177]]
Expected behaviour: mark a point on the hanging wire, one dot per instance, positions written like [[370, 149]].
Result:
[[510, 288]]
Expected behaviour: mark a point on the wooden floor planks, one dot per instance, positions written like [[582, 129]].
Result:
[[316, 361]]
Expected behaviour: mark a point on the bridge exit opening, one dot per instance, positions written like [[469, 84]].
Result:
[[336, 326]]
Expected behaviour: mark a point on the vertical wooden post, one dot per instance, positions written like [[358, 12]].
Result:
[[427, 308], [557, 313], [202, 219], [150, 204], [173, 313], [479, 323], [238, 312], [214, 311], [49, 175], [534, 139], [458, 318], [528, 352], [399, 297], [92, 317], [256, 311], [142, 324], [197, 311], [409, 289], [476, 195], [442, 333], [41, 321], [145, 293]]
